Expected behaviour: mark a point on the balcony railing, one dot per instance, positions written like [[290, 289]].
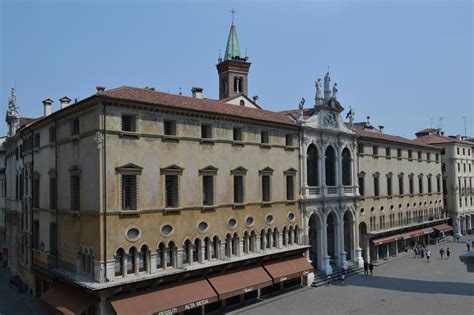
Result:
[[331, 190]]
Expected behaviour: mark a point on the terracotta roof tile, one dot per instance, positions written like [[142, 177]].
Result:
[[386, 137], [203, 105], [437, 139], [26, 120]]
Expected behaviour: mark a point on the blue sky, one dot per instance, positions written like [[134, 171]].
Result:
[[403, 63]]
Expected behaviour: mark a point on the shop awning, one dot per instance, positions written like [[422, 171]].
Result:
[[387, 239], [288, 269], [64, 299], [171, 300], [443, 227], [420, 232], [240, 282]]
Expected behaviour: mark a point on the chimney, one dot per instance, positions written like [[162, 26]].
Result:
[[197, 92], [100, 89], [64, 102], [381, 128], [255, 99], [48, 105]]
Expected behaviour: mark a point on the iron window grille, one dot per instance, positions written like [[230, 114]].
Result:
[[172, 191], [266, 188], [237, 134], [36, 192], [170, 128], [208, 190], [238, 188], [129, 192], [206, 131], [129, 123], [74, 127], [264, 137], [75, 193], [52, 134], [290, 187]]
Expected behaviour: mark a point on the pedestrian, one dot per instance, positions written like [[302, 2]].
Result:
[[422, 253], [371, 268], [448, 253], [441, 252], [343, 274], [415, 249], [366, 268], [428, 255], [468, 246]]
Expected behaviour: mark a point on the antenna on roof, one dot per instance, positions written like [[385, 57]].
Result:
[[180, 91], [441, 118], [233, 13]]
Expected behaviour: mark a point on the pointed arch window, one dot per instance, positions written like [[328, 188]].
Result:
[[312, 171], [330, 166], [346, 167]]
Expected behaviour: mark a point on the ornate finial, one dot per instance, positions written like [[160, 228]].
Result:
[[334, 91], [301, 108], [350, 115], [233, 13], [180, 93], [318, 99], [327, 90]]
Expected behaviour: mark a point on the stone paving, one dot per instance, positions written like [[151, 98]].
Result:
[[403, 286], [14, 303]]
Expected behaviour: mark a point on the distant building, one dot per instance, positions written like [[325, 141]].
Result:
[[457, 159]]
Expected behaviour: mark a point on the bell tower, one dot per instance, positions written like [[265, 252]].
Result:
[[233, 69]]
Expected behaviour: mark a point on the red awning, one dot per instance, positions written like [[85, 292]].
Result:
[[387, 239], [443, 227], [288, 269], [64, 299], [240, 282], [171, 300]]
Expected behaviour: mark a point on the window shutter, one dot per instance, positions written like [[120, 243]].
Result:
[[129, 192], [207, 190]]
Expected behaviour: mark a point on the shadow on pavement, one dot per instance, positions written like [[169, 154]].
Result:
[[410, 285]]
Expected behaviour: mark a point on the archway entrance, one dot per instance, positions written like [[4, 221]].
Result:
[[332, 237], [314, 250], [349, 235]]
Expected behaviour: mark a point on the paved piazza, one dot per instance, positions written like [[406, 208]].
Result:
[[404, 285]]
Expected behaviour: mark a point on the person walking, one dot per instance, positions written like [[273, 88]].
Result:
[[448, 253], [441, 252], [371, 268], [428, 255], [415, 249], [366, 268], [468, 246], [343, 275]]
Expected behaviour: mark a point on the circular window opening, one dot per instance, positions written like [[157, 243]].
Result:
[[232, 223], [269, 219], [202, 226], [133, 234], [249, 221], [362, 211], [291, 216], [166, 229]]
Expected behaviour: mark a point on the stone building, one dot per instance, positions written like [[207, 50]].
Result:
[[132, 195], [400, 186], [458, 176]]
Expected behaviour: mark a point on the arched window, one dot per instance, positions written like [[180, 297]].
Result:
[[207, 248], [290, 235], [236, 83], [196, 249], [312, 166], [275, 237], [346, 167], [296, 235], [242, 103], [170, 255], [241, 81], [252, 241], [262, 240], [186, 252], [228, 245], [160, 256], [246, 242], [330, 166], [235, 245], [269, 238], [215, 247], [119, 262], [131, 260], [143, 258]]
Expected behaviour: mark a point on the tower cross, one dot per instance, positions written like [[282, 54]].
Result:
[[233, 13]]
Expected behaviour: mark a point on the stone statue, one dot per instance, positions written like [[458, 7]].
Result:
[[318, 91], [327, 90], [334, 91], [301, 105], [12, 107]]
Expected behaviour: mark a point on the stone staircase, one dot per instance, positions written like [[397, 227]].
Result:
[[321, 279]]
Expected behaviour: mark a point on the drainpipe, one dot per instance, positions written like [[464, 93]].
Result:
[[56, 251], [31, 208], [104, 192]]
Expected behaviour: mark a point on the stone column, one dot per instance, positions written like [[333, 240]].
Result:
[[340, 189], [280, 240], [223, 253], [152, 265], [325, 262], [241, 247], [342, 262], [322, 173], [179, 258], [258, 248], [201, 253]]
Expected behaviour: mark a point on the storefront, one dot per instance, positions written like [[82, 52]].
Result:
[[65, 299]]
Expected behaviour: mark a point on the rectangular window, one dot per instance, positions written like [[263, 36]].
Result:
[[52, 193], [129, 192], [36, 227], [419, 155], [75, 193], [375, 150], [237, 134], [52, 134], [238, 188], [360, 148], [438, 184], [412, 188], [420, 185], [206, 131], [129, 123], [443, 167], [289, 140], [36, 192], [376, 186], [74, 127], [37, 140], [388, 152], [429, 185], [170, 128], [410, 155], [399, 153], [265, 188], [400, 185], [264, 137], [290, 189], [172, 191], [389, 186], [53, 244], [207, 190], [428, 157], [361, 186]]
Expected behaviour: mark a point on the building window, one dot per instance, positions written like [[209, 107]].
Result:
[[266, 184], [52, 134], [131, 257], [388, 152], [389, 184], [360, 148], [75, 193], [399, 153], [118, 266], [429, 184], [289, 140], [419, 155], [171, 255], [36, 192], [206, 131], [346, 167], [428, 157], [411, 184], [129, 123], [74, 127], [420, 184], [361, 185], [330, 166], [375, 150], [36, 226], [143, 259], [312, 166], [170, 128], [438, 183], [186, 252], [376, 185], [443, 167], [172, 191], [52, 193], [129, 192], [290, 184], [37, 141], [208, 176], [264, 137], [160, 259], [237, 134], [410, 155], [400, 184], [53, 244]]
